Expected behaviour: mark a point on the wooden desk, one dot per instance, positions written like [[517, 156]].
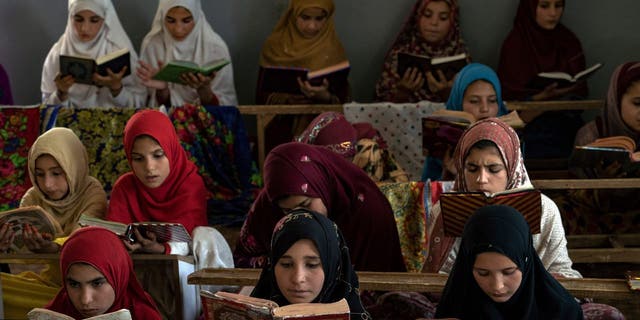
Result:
[[153, 271], [423, 282], [574, 184], [555, 105]]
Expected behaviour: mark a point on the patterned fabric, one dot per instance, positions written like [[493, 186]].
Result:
[[216, 141], [406, 201], [18, 131], [400, 125], [100, 130]]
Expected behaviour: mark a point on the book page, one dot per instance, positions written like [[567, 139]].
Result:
[[46, 314], [118, 228], [34, 215], [330, 69], [311, 310], [122, 314], [440, 60], [588, 71], [111, 56]]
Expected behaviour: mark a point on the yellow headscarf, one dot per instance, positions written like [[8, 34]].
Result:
[[86, 194], [287, 47]]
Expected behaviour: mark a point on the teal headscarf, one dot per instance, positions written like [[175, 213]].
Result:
[[469, 74]]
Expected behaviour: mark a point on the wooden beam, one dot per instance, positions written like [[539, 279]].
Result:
[[555, 105], [289, 109], [603, 240], [572, 184], [422, 282], [20, 258], [605, 255]]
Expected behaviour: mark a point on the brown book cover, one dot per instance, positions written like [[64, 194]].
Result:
[[225, 305], [285, 79], [457, 207], [46, 224], [448, 65], [594, 158]]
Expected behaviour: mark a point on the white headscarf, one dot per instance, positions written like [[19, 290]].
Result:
[[201, 46], [110, 38]]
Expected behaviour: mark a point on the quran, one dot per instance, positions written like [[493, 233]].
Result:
[[83, 68], [171, 71], [544, 79], [458, 207], [285, 79], [164, 231], [448, 65], [46, 224], [46, 314], [225, 305], [604, 152]]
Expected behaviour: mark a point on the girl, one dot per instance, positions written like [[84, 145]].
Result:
[[309, 254], [96, 283], [313, 177], [432, 30], [476, 90], [180, 31], [59, 170], [498, 275], [164, 186], [93, 30]]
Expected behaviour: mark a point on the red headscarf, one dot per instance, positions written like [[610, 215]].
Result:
[[530, 49], [353, 201], [103, 250], [332, 130], [182, 196]]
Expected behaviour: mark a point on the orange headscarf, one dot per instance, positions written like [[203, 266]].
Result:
[[287, 47]]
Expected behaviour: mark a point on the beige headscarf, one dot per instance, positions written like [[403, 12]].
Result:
[[287, 47], [86, 195]]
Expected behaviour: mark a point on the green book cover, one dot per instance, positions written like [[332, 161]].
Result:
[[172, 71]]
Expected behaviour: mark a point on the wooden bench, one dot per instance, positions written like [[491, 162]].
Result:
[[555, 105], [174, 296], [610, 289]]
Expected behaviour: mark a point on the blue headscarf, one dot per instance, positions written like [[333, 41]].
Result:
[[469, 74]]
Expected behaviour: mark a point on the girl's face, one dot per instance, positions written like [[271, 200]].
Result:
[[548, 13], [497, 275], [311, 21], [630, 106], [435, 22], [480, 100], [292, 202], [50, 178], [484, 170], [299, 272], [149, 162], [179, 22], [88, 290], [87, 24]]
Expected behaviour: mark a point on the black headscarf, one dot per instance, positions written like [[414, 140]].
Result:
[[340, 281], [503, 230]]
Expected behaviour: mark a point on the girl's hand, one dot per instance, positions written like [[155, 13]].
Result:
[[144, 244], [112, 80], [438, 85], [317, 93], [38, 242], [63, 84], [6, 236], [196, 80], [146, 72], [552, 91], [411, 81]]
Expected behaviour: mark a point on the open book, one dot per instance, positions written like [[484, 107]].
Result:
[[449, 65], [225, 305], [83, 68], [443, 128], [633, 279], [171, 71], [46, 224], [285, 79], [457, 207], [544, 79], [164, 231], [603, 153], [46, 314]]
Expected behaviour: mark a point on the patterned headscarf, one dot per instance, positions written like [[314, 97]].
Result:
[[613, 125], [332, 130], [340, 281], [410, 40], [288, 48], [508, 143]]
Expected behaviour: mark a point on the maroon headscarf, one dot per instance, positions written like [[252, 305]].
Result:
[[182, 197], [353, 201], [332, 130], [410, 40], [621, 79], [530, 49], [103, 250]]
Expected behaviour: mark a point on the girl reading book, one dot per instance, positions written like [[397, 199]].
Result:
[[316, 178], [304, 38], [488, 160], [95, 282], [93, 30], [498, 274], [477, 91], [58, 166], [432, 30], [309, 262], [180, 32]]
